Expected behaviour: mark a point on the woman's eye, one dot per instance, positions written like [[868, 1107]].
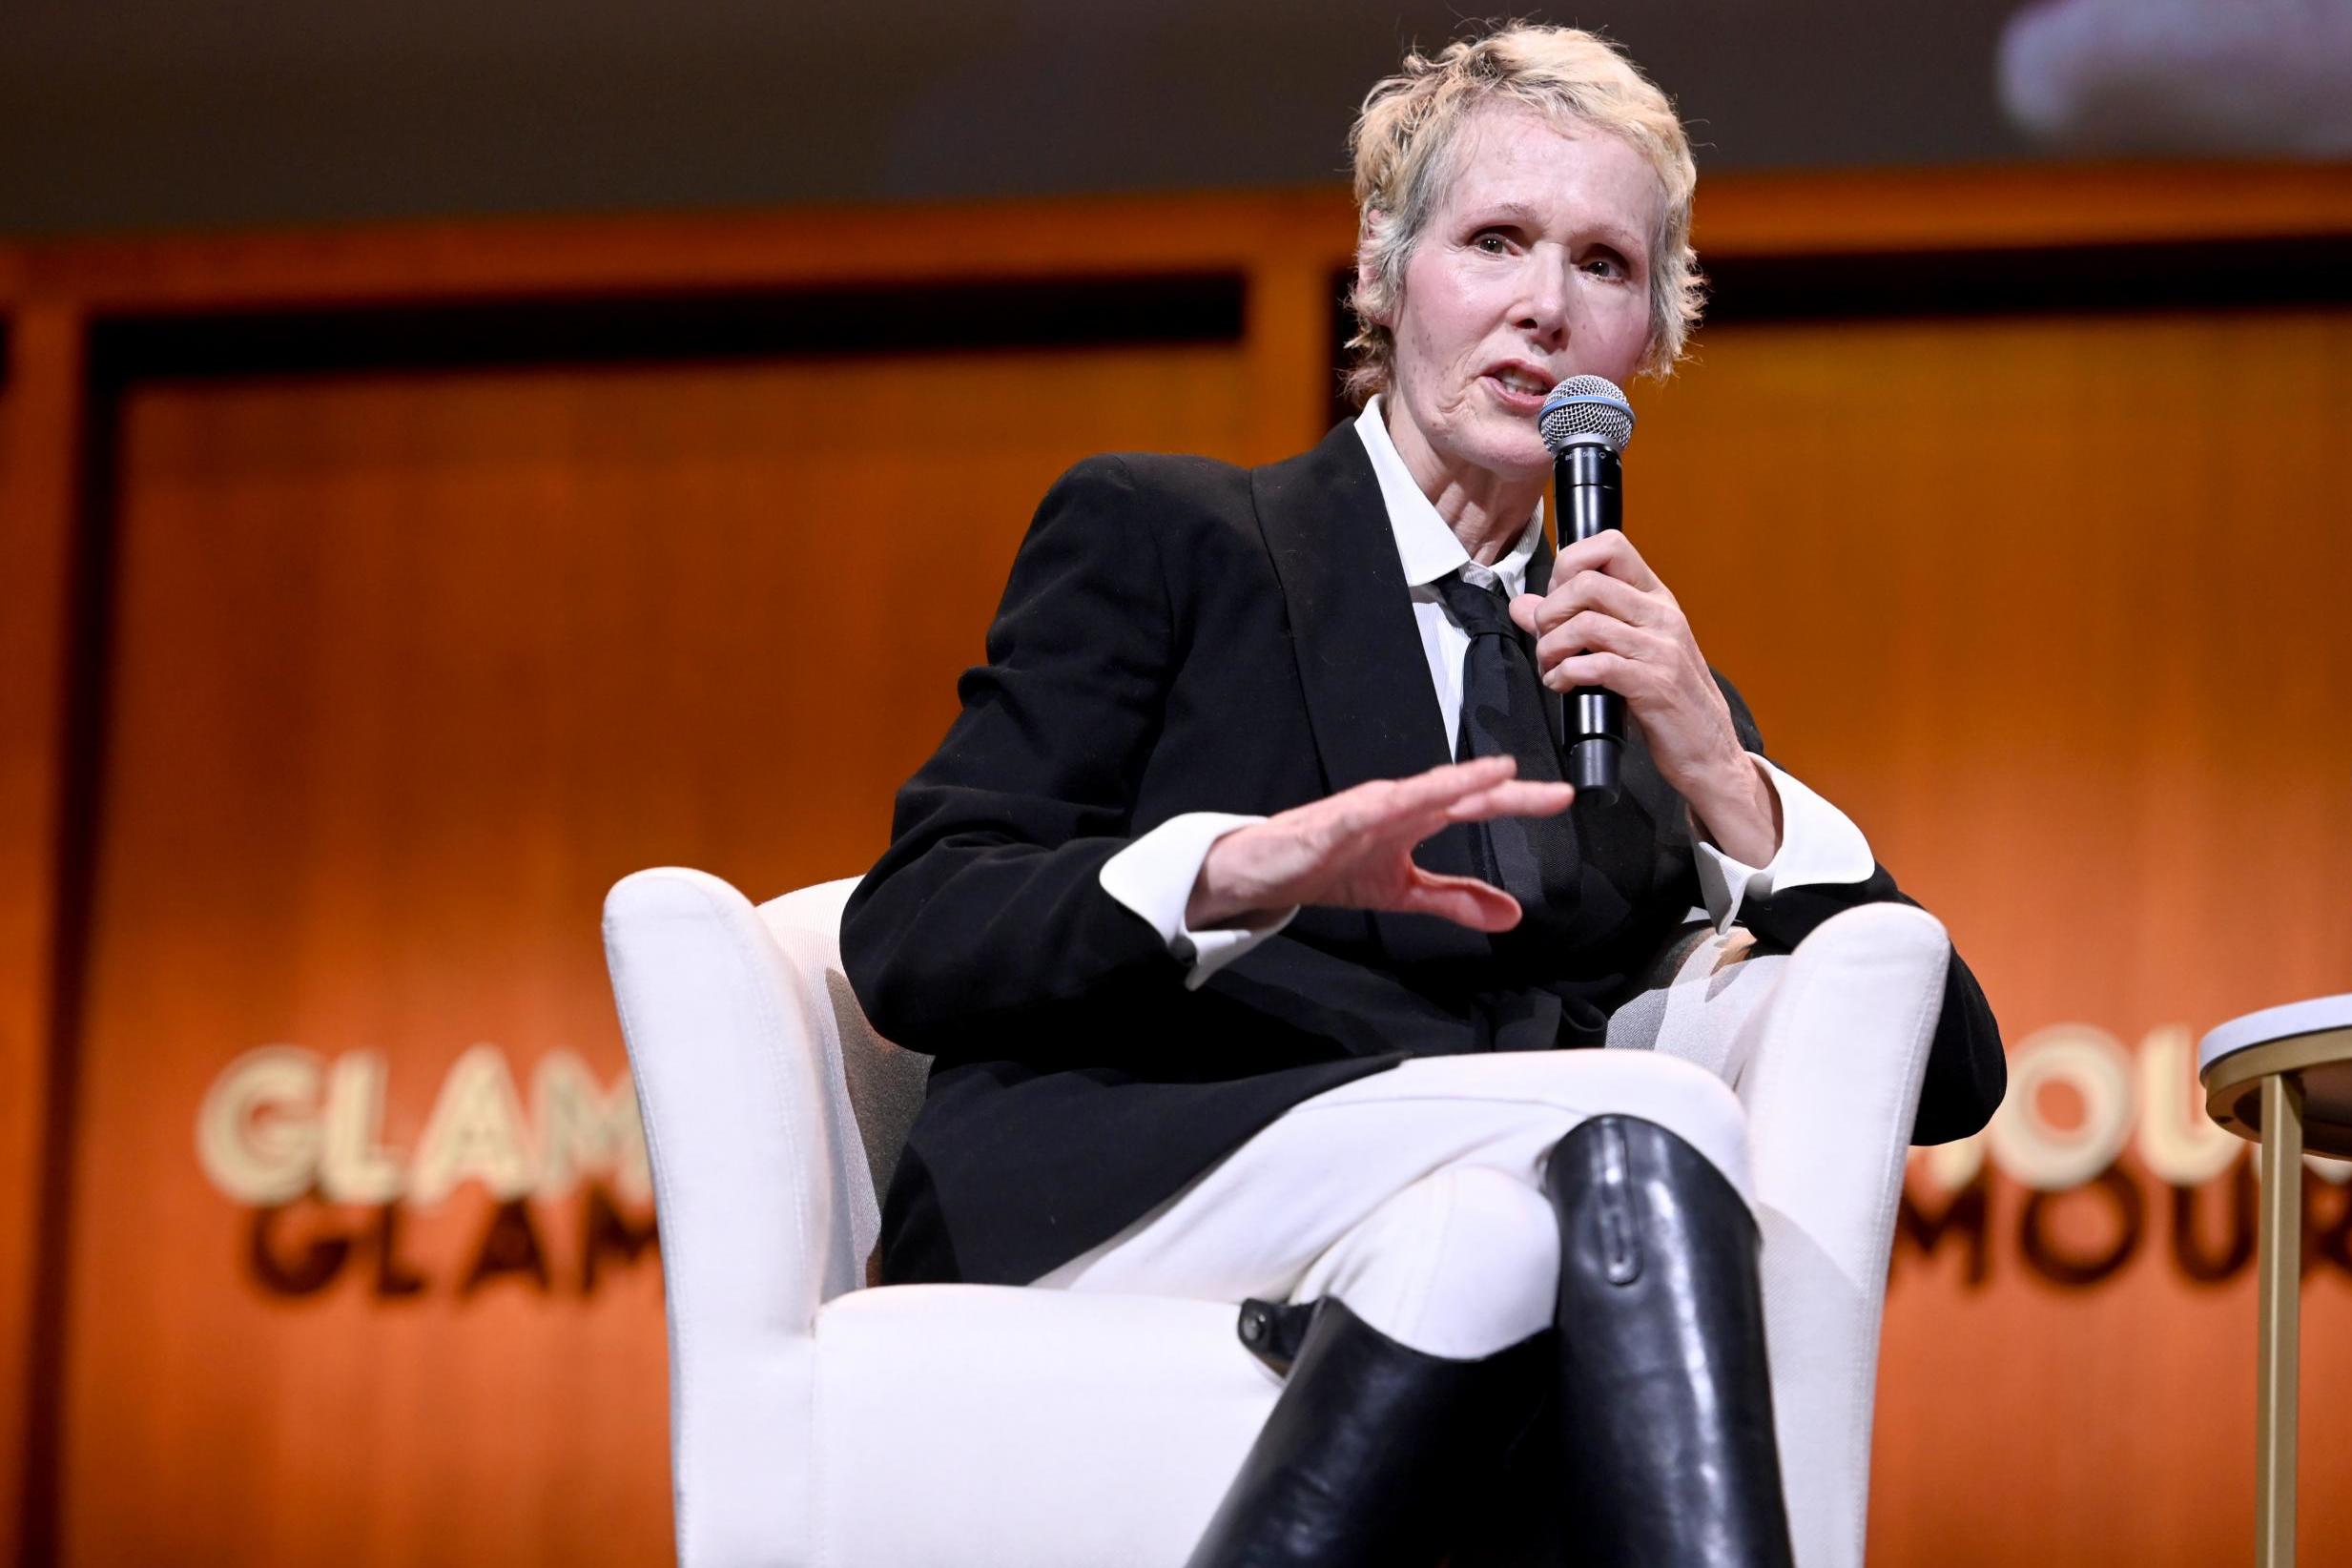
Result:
[[1605, 266], [1492, 242]]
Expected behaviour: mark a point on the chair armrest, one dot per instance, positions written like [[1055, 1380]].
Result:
[[730, 1085], [747, 1178], [1826, 1048]]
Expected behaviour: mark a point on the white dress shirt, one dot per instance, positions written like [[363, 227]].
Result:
[[1154, 875]]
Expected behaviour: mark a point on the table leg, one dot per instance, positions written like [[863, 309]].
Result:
[[2280, 1268]]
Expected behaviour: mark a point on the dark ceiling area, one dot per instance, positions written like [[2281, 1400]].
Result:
[[142, 114]]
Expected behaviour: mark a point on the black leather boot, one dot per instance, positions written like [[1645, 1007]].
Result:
[[1360, 1464], [1664, 1405]]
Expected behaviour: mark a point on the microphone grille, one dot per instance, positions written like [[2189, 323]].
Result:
[[1585, 406]]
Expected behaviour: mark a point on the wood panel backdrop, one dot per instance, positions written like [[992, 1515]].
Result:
[[374, 599]]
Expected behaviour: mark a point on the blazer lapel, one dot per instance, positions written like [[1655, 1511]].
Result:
[[1370, 700], [1368, 696]]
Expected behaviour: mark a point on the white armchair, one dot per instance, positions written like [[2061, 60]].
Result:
[[819, 1424]]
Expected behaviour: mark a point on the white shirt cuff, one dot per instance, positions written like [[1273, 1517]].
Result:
[[1819, 843], [1153, 876]]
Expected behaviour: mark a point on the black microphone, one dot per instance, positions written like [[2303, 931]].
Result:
[[1585, 423]]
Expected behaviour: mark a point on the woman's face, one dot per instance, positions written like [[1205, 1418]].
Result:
[[1534, 267]]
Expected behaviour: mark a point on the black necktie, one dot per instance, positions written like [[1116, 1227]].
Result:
[[1533, 859]]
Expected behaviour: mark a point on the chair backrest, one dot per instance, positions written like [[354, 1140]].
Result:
[[1701, 998], [876, 1086]]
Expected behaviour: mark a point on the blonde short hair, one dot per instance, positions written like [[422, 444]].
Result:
[[1403, 139]]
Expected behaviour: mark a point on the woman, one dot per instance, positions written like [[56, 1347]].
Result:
[[1196, 905]]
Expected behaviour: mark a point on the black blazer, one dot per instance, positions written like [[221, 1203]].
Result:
[[1179, 634]]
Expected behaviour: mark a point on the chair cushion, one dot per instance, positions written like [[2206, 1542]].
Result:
[[970, 1426]]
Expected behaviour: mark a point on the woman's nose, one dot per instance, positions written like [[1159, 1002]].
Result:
[[1546, 301]]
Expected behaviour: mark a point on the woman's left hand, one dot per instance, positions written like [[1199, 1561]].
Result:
[[1608, 621]]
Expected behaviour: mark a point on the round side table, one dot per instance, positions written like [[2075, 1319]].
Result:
[[2282, 1077]]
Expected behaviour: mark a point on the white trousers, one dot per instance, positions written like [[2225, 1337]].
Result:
[[1415, 1195]]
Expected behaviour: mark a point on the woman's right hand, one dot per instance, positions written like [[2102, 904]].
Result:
[[1354, 850]]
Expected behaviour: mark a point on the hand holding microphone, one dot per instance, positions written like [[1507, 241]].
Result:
[[1587, 422], [1609, 634]]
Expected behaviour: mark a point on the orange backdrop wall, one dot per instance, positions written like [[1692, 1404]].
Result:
[[352, 681]]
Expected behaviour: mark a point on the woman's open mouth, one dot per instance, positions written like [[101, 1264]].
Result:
[[1516, 391]]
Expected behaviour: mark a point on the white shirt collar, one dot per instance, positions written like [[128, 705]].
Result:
[[1426, 546]]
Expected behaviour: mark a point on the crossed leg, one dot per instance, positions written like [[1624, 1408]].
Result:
[[1421, 1208], [1415, 1195]]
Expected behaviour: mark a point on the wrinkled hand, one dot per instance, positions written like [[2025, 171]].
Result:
[[1354, 850], [1608, 621]]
